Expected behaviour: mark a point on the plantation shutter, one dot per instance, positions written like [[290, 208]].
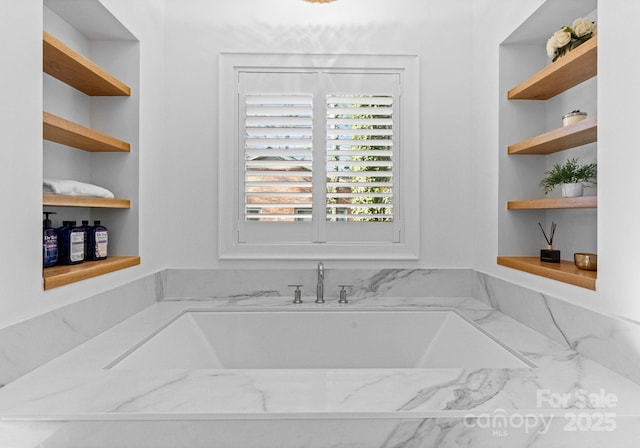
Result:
[[278, 156], [318, 157], [360, 149]]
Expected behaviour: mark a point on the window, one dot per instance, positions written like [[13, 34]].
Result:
[[360, 148], [278, 156], [322, 157]]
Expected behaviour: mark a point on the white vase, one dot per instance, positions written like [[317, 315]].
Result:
[[572, 190]]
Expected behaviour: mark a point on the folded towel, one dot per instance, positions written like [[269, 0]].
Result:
[[74, 188]]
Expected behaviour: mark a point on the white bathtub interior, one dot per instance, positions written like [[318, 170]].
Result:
[[319, 340]]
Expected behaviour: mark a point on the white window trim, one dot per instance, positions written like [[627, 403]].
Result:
[[230, 65]]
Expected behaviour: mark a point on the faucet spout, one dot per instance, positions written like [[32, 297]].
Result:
[[320, 287]]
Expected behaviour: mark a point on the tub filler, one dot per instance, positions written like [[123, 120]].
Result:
[[319, 340]]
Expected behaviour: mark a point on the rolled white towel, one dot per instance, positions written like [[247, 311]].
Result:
[[74, 188]]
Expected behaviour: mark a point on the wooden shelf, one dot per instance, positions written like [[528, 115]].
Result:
[[65, 132], [565, 271], [568, 71], [554, 203], [81, 73], [83, 201], [566, 137], [73, 69], [63, 275]]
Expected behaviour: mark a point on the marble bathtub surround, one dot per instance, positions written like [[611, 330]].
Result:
[[63, 402], [74, 383], [605, 339], [33, 342], [432, 407], [608, 340]]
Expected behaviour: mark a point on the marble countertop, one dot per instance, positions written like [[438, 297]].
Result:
[[76, 385]]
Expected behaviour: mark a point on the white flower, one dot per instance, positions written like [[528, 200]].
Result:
[[582, 27], [551, 49], [561, 38]]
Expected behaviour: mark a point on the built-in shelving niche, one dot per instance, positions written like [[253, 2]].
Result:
[[534, 95], [90, 127]]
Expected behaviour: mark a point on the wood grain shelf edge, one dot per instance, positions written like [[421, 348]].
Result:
[[566, 137], [568, 71], [565, 271], [554, 203], [63, 275], [70, 67], [83, 201], [60, 130]]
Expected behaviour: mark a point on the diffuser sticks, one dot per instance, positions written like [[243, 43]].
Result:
[[553, 231], [549, 254]]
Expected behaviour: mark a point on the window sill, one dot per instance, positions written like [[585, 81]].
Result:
[[325, 251]]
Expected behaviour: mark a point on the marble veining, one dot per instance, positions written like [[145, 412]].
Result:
[[31, 343], [225, 283], [72, 401], [607, 339], [75, 383], [545, 300], [74, 395]]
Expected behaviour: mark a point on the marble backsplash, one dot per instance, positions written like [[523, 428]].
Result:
[[243, 283]]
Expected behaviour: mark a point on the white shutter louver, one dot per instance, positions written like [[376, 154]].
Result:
[[360, 158], [278, 157]]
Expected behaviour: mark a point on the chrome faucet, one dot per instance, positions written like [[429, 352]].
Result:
[[320, 287]]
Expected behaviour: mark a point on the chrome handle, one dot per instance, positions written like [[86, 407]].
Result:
[[343, 293], [297, 294]]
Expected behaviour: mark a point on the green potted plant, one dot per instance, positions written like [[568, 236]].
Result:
[[571, 176]]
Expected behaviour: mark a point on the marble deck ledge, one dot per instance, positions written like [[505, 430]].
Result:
[[76, 386], [310, 433]]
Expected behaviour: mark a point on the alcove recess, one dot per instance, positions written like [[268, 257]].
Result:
[[534, 95], [90, 127]]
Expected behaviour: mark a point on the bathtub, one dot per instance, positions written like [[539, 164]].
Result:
[[336, 339], [172, 380]]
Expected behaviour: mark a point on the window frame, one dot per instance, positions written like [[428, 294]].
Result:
[[231, 65]]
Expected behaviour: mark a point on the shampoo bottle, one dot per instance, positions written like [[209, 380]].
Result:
[[70, 243], [99, 241], [49, 242]]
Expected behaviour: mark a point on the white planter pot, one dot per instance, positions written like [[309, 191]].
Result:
[[572, 190]]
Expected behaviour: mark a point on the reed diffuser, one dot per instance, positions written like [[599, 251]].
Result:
[[549, 254]]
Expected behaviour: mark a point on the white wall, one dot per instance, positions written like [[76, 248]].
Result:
[[21, 157], [145, 18], [618, 284], [618, 159], [178, 134], [436, 30], [178, 150]]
